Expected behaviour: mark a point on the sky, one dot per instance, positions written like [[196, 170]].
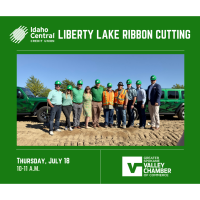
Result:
[[113, 68]]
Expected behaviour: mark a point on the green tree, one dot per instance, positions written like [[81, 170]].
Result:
[[34, 85], [177, 86], [104, 88], [44, 92], [65, 83]]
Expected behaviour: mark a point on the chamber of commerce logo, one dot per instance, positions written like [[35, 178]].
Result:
[[132, 166], [144, 166], [18, 34]]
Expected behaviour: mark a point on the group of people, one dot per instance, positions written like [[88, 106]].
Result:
[[91, 100]]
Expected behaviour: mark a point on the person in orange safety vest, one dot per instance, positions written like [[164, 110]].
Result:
[[108, 103], [120, 104]]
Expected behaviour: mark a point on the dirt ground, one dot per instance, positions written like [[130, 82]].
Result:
[[30, 132]]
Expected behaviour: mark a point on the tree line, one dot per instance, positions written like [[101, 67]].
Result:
[[38, 89], [178, 86]]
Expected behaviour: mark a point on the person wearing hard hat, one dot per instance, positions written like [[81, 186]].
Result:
[[121, 101], [54, 99], [67, 106], [97, 92], [154, 93], [108, 103], [77, 104], [141, 99], [132, 95]]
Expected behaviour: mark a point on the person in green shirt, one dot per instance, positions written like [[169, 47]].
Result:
[[67, 106], [77, 104], [97, 93]]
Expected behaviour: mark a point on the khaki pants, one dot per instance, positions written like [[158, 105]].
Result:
[[96, 110], [154, 114]]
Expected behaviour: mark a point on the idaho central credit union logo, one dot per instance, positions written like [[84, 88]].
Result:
[[132, 166], [18, 34]]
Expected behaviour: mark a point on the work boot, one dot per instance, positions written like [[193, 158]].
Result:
[[124, 126], [106, 126], [111, 126]]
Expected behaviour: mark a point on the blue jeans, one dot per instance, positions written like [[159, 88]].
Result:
[[121, 115], [55, 113], [130, 113], [108, 114], [141, 112]]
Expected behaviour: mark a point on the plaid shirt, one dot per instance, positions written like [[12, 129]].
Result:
[[131, 93]]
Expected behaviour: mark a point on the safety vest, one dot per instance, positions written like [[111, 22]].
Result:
[[121, 98], [108, 98]]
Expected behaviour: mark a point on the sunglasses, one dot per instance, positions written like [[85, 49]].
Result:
[[57, 85], [79, 84]]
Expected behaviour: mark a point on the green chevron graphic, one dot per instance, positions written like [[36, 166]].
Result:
[[135, 165]]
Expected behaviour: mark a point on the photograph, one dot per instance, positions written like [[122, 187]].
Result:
[[100, 99]]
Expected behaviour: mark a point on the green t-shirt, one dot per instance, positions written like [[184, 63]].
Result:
[[55, 97], [78, 95], [97, 93], [68, 101]]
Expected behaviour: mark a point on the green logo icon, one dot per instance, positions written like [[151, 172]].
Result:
[[133, 168]]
